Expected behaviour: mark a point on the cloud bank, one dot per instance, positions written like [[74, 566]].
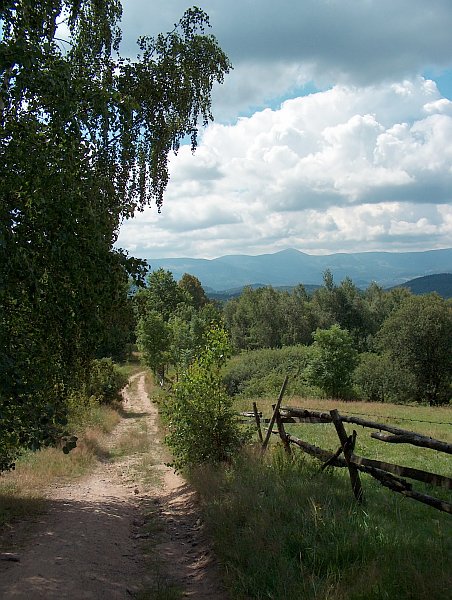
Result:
[[351, 168]]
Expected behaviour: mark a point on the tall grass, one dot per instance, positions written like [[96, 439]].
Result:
[[284, 529]]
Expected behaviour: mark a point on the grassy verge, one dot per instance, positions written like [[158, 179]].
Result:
[[282, 529], [22, 491]]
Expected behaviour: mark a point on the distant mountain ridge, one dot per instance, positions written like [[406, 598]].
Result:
[[290, 267]]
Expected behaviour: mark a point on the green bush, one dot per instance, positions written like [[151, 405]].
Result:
[[201, 422], [106, 380], [332, 362], [378, 378], [261, 372]]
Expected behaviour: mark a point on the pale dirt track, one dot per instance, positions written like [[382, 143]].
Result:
[[95, 541]]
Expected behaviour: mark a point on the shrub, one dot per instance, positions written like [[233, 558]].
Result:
[[371, 377], [201, 422], [418, 338], [106, 380], [332, 362], [261, 372], [379, 379]]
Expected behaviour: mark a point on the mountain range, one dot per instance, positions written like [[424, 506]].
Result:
[[290, 267]]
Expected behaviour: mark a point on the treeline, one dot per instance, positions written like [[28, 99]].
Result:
[[387, 346], [268, 318], [173, 320], [383, 345]]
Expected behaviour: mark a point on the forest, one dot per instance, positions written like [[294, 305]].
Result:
[[339, 341]]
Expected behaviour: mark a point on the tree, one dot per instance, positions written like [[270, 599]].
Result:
[[299, 318], [256, 318], [238, 315], [188, 336], [153, 339], [84, 142], [345, 305], [192, 285], [379, 379], [161, 294], [418, 338], [332, 362], [190, 329]]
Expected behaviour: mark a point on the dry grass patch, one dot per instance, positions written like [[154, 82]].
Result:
[[22, 491]]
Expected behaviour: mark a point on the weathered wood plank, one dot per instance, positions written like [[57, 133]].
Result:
[[396, 484], [319, 453], [415, 440], [348, 447], [303, 413], [283, 434], [418, 474], [400, 436], [257, 418], [272, 420]]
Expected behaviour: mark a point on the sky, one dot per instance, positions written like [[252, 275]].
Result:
[[333, 132]]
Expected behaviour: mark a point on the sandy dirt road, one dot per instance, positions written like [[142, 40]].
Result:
[[115, 533]]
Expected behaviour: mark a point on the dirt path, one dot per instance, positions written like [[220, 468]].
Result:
[[131, 529]]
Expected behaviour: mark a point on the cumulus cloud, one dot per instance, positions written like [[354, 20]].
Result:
[[329, 171]]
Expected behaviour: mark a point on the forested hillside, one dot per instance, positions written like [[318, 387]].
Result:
[[441, 284], [338, 341]]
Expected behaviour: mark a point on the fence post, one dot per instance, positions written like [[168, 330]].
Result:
[[347, 448], [283, 434], [275, 412], [258, 422]]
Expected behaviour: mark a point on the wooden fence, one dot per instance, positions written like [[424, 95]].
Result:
[[389, 475]]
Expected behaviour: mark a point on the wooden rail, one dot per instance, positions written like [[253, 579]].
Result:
[[388, 474]]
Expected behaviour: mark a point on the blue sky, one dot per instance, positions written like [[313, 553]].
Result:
[[333, 133]]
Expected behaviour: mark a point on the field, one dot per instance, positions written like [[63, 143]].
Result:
[[284, 529], [433, 422]]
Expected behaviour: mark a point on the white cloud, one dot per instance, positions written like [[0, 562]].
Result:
[[335, 170]]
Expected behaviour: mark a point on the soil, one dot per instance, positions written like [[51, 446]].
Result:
[[116, 533]]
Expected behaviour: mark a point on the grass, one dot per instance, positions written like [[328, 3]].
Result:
[[430, 421], [161, 591], [284, 529], [132, 366]]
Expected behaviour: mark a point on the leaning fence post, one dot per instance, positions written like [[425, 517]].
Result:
[[275, 412], [347, 447], [258, 422], [283, 434]]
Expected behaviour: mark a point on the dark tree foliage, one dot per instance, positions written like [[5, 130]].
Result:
[[161, 294], [193, 287], [345, 306], [268, 318], [173, 320], [84, 139], [418, 338], [405, 340]]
